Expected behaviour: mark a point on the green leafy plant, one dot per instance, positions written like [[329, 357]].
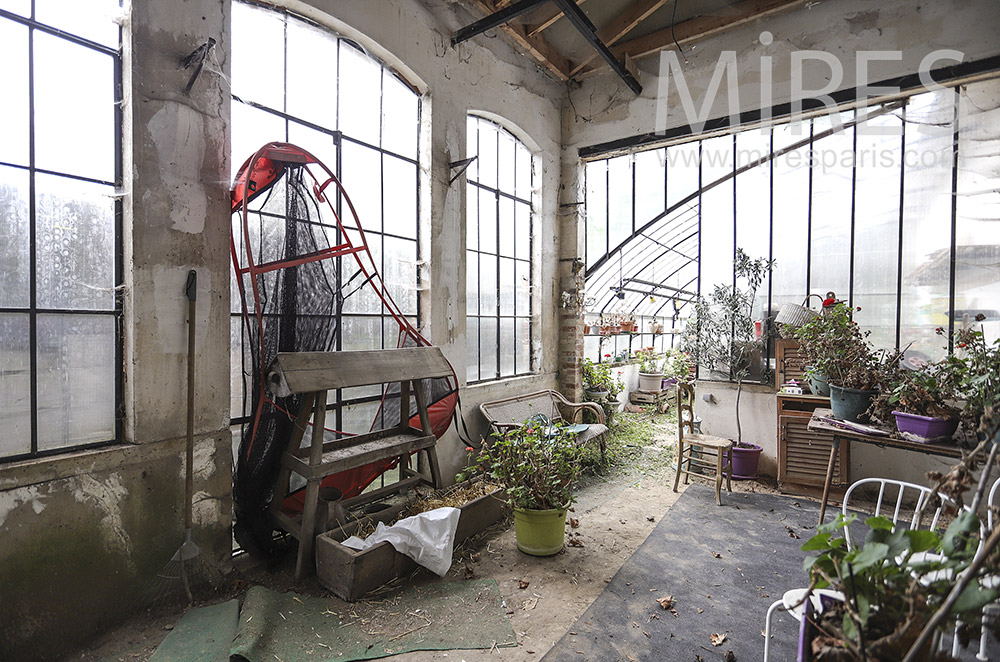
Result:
[[649, 363], [925, 392], [720, 335], [974, 368], [600, 377], [536, 464], [677, 364]]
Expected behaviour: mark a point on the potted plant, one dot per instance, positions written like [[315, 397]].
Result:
[[650, 373], [975, 370], [599, 383], [921, 401], [536, 464], [721, 337], [904, 584], [676, 368]]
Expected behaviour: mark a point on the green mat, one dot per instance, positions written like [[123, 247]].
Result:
[[440, 615], [202, 635]]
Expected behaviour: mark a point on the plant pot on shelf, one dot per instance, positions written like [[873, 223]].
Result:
[[850, 404], [925, 428], [668, 382], [586, 329], [819, 385], [650, 381], [627, 327], [596, 396], [540, 532], [745, 459]]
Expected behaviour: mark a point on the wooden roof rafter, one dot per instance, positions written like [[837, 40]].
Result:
[[536, 45]]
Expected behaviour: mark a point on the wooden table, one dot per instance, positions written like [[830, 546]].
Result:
[[820, 422]]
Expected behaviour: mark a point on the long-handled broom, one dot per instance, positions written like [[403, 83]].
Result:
[[188, 549]]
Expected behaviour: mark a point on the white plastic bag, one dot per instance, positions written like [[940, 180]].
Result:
[[427, 538]]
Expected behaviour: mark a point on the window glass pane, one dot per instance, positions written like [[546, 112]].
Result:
[[400, 115], [487, 221], [400, 274], [15, 385], [505, 164], [472, 283], [361, 103], [522, 231], [790, 220], [619, 200], [312, 73], [22, 7], [488, 348], [360, 333], [362, 298], [523, 176], [716, 214], [255, 78], [74, 109], [753, 206], [315, 142], [506, 226], [358, 417], [252, 129], [14, 100], [400, 197], [831, 210], [876, 227], [926, 222], [487, 284], [507, 285], [93, 20], [471, 216], [472, 349], [682, 172], [650, 185], [76, 379], [522, 346], [522, 291], [75, 242], [506, 347], [15, 239], [487, 154], [597, 211], [362, 179], [472, 148], [241, 361], [977, 268]]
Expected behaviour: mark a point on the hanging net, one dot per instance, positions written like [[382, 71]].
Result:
[[297, 260]]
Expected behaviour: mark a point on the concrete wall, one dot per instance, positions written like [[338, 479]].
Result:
[[82, 534]]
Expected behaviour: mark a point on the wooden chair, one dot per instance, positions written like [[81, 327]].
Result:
[[313, 374], [692, 448]]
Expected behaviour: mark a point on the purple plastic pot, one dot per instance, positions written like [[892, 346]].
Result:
[[745, 459], [927, 428]]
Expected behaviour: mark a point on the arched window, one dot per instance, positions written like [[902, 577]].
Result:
[[60, 161], [498, 241], [299, 82]]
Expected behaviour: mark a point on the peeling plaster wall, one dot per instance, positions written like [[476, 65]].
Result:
[[602, 109], [83, 534], [483, 75]]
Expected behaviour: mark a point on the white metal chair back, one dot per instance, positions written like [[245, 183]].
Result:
[[904, 492]]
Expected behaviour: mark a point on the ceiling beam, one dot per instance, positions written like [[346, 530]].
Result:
[[621, 25], [494, 20], [696, 29], [588, 30], [544, 52], [544, 18]]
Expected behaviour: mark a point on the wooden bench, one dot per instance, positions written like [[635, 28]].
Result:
[[313, 374], [512, 412]]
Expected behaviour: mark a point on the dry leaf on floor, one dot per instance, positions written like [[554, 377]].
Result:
[[730, 656], [666, 602], [521, 584], [469, 572], [717, 555], [647, 634], [717, 639], [700, 610], [791, 532], [575, 542], [529, 604], [650, 519], [574, 522]]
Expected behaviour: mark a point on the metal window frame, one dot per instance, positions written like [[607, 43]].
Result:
[[339, 401], [498, 316], [32, 170]]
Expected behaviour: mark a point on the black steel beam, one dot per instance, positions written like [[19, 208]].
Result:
[[493, 20], [587, 28]]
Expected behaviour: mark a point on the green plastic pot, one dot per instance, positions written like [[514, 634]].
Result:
[[540, 532], [850, 404]]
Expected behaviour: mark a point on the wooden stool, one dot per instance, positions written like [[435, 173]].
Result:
[[312, 374], [691, 447]]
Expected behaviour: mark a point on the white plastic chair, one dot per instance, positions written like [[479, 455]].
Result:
[[904, 493], [991, 581], [792, 602]]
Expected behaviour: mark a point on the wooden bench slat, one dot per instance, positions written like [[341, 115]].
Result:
[[305, 372], [358, 455]]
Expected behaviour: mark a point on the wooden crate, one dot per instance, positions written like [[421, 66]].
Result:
[[349, 573]]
